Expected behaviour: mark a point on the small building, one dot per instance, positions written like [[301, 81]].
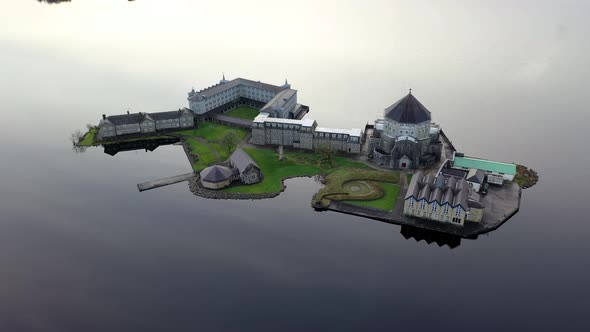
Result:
[[442, 199], [249, 172], [217, 177], [495, 172], [475, 178]]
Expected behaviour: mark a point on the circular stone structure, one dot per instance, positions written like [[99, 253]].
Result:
[[216, 177]]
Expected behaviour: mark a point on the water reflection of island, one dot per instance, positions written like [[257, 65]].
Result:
[[430, 237], [147, 145]]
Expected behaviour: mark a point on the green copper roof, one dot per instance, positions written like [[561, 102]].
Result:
[[486, 165]]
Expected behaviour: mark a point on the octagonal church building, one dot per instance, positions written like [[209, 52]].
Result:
[[406, 137]]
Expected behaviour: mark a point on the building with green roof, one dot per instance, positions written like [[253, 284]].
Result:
[[495, 171]]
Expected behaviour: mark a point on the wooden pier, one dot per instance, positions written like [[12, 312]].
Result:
[[165, 182]]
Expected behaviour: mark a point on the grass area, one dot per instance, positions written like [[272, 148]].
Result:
[[386, 202], [213, 134], [409, 178], [337, 189], [243, 112], [88, 138], [206, 155], [293, 164]]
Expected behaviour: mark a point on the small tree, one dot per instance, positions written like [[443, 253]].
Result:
[[229, 141], [76, 137], [327, 153]]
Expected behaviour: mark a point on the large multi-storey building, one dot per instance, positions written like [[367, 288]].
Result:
[[443, 199], [406, 136], [303, 134], [277, 101]]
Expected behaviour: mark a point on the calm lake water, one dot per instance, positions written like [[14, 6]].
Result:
[[82, 250]]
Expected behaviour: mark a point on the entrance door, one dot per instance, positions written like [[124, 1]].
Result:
[[404, 165]]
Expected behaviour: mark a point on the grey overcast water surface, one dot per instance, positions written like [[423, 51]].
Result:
[[82, 250]]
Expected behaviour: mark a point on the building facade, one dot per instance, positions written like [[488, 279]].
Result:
[[303, 134], [442, 199], [249, 172], [277, 101], [111, 127], [495, 172], [406, 136]]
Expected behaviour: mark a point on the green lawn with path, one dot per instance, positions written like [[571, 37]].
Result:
[[243, 112], [387, 202], [293, 164], [338, 187], [208, 151]]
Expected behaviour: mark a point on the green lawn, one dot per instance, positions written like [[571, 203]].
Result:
[[206, 155], [337, 188], [88, 139], [213, 133], [243, 112], [293, 164], [387, 202]]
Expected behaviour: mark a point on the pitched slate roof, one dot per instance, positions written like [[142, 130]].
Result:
[[408, 110], [241, 160], [475, 176], [124, 119], [216, 173], [166, 115], [220, 87], [440, 189]]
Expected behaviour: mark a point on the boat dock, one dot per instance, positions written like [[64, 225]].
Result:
[[165, 182]]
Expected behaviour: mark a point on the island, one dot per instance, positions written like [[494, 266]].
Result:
[[243, 138]]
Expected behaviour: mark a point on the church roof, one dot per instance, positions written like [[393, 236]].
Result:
[[408, 110], [216, 173]]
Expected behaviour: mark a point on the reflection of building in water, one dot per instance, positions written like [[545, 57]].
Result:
[[406, 136], [147, 145], [441, 239], [442, 199]]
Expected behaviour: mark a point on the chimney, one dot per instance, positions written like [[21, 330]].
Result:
[[104, 116]]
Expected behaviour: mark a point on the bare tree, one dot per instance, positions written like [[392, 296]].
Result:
[[229, 141], [327, 153], [76, 137]]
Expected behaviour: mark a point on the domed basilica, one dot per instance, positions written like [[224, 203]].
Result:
[[406, 137]]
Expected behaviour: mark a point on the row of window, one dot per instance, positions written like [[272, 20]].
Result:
[[446, 207]]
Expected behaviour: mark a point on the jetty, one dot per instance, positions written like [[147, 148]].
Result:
[[165, 182]]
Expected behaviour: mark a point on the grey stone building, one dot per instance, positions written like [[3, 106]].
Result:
[[303, 134], [113, 126], [249, 172], [443, 199], [277, 101], [406, 136]]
